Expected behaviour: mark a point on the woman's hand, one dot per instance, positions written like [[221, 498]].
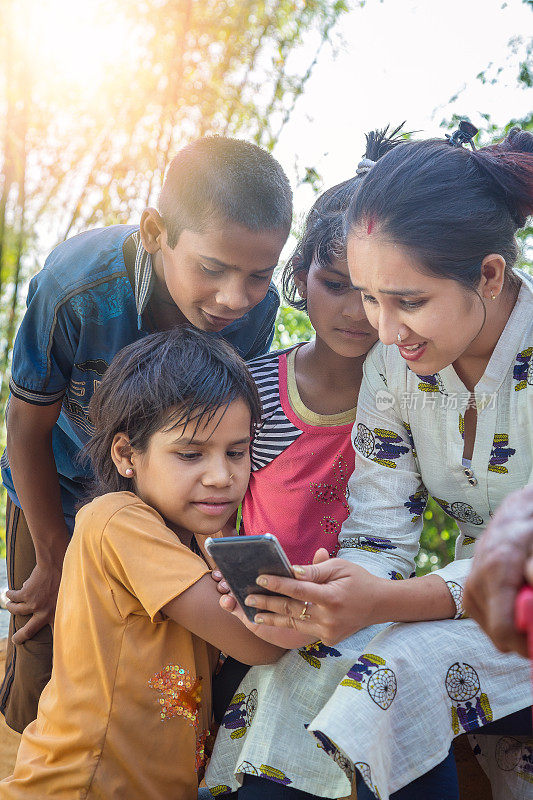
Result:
[[289, 640], [341, 599]]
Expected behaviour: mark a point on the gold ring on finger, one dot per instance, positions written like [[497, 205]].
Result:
[[304, 613]]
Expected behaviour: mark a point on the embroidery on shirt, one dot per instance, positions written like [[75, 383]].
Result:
[[240, 713], [514, 755], [312, 653], [97, 365], [366, 774], [500, 453], [201, 754], [77, 388], [247, 768], [382, 446], [380, 681], [410, 438], [372, 544], [431, 383], [331, 749], [471, 707], [105, 305], [462, 426], [180, 694], [328, 492], [264, 770], [395, 576], [274, 774], [330, 525], [468, 540], [77, 413], [221, 789], [417, 503], [523, 369], [460, 511]]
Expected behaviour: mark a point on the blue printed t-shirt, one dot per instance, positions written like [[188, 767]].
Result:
[[88, 302]]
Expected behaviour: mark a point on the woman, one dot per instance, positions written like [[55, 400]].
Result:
[[446, 407]]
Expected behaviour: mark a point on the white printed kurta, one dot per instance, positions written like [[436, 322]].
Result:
[[393, 709]]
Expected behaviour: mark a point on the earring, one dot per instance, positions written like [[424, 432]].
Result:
[[129, 472], [231, 476], [492, 295], [399, 337]]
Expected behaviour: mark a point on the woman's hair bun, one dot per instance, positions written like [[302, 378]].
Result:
[[518, 141], [508, 166]]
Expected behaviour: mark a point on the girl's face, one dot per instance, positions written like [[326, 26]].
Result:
[[335, 309], [437, 318], [196, 478]]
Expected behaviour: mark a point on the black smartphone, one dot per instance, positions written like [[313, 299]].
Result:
[[242, 558]]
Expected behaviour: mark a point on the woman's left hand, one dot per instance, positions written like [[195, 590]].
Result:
[[329, 600]]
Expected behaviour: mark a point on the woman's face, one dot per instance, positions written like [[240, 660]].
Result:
[[437, 318]]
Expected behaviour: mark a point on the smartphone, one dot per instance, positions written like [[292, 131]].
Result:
[[242, 558]]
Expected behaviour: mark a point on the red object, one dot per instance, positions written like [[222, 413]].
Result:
[[524, 615], [524, 618]]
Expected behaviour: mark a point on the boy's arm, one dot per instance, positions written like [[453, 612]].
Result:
[[198, 610], [29, 444]]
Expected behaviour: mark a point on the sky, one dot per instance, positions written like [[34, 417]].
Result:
[[387, 61], [402, 60]]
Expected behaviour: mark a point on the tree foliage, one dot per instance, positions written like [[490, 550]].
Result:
[[77, 153]]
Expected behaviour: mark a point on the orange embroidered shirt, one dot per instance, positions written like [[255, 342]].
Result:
[[126, 710]]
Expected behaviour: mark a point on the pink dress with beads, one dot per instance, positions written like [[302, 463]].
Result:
[[301, 462]]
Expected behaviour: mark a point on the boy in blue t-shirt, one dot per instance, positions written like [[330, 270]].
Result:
[[204, 258]]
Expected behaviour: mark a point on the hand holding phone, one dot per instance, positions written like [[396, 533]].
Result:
[[241, 559]]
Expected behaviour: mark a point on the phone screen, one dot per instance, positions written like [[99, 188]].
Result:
[[241, 559]]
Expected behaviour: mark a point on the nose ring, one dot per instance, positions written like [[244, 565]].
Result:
[[231, 476], [399, 337]]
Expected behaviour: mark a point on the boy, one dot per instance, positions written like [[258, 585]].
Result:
[[205, 258]]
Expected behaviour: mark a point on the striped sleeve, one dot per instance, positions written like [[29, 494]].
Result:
[[276, 432]]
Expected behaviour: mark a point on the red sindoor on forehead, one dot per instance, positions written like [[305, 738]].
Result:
[[370, 225]]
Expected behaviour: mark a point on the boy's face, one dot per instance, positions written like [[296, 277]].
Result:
[[196, 478], [218, 276]]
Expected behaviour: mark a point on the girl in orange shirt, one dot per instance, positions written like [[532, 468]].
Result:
[[127, 711]]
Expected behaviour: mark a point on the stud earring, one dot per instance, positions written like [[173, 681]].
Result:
[[399, 337], [492, 295], [129, 472]]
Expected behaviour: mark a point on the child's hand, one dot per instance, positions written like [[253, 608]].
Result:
[[222, 586]]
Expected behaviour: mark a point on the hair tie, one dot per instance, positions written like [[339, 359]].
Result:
[[463, 135], [363, 167]]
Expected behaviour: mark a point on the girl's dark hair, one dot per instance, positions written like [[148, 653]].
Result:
[[160, 382], [449, 207], [324, 237]]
